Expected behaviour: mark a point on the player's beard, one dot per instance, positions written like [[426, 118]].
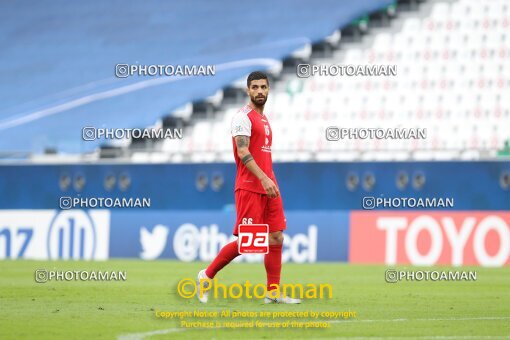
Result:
[[258, 101]]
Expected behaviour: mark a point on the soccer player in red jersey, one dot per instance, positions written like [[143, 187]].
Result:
[[256, 192]]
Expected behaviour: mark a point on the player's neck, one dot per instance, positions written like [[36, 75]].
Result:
[[257, 108]]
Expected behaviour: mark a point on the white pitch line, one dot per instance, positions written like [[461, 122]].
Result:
[[138, 336], [143, 335], [427, 319], [430, 337]]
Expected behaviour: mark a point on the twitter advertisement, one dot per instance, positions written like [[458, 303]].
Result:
[[99, 234], [315, 236]]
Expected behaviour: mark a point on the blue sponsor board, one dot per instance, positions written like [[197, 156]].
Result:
[[304, 186], [197, 236], [54, 234]]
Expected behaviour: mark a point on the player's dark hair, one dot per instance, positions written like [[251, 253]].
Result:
[[256, 75]]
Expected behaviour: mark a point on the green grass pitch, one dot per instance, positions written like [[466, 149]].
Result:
[[126, 310]]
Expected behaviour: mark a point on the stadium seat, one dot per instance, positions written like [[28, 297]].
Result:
[[452, 67]]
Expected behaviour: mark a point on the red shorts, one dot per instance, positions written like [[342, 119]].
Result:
[[255, 208]]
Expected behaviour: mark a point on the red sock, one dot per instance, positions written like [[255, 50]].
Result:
[[273, 264], [226, 254]]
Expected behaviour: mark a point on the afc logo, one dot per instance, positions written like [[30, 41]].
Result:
[[253, 239], [266, 128]]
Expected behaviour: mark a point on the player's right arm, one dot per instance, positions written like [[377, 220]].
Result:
[[243, 152]]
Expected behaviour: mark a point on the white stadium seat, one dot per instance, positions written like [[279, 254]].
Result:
[[452, 78]]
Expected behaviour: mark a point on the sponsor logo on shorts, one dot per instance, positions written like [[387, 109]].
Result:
[[253, 238]]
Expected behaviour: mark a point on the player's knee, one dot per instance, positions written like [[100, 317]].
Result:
[[276, 238]]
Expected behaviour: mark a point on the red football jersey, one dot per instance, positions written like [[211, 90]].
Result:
[[248, 122]]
